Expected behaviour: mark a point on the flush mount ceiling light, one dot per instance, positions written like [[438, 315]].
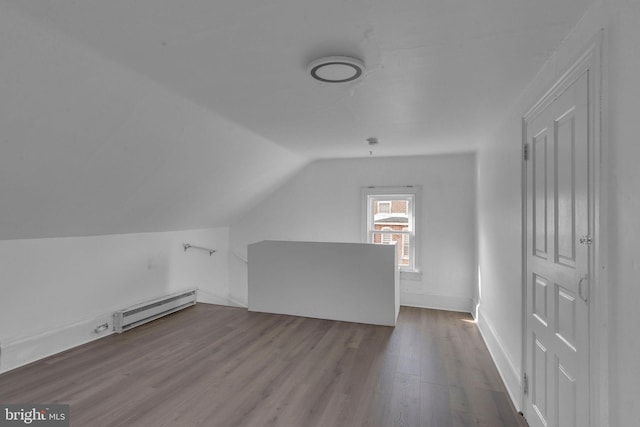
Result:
[[336, 69]]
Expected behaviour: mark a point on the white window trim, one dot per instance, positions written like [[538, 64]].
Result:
[[414, 273]]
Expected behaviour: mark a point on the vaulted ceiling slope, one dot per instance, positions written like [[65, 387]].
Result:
[[89, 147], [128, 116]]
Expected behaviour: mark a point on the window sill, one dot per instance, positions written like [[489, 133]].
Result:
[[411, 275]]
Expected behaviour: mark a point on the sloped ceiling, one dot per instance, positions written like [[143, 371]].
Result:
[[126, 116], [88, 147]]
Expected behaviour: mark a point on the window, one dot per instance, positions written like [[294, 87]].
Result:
[[390, 218], [405, 244], [384, 206], [386, 237]]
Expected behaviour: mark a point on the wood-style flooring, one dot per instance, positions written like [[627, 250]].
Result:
[[221, 366]]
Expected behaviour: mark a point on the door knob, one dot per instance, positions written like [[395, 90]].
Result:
[[583, 279], [586, 240]]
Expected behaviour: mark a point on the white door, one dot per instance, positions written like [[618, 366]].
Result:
[[557, 257]]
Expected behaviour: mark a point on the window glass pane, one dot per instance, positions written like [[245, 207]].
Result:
[[405, 245], [386, 237], [384, 207], [404, 259], [390, 220], [390, 213]]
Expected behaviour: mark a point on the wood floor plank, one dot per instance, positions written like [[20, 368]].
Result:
[[435, 407], [222, 366], [405, 401]]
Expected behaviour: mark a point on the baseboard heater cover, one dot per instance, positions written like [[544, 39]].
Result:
[[139, 314]]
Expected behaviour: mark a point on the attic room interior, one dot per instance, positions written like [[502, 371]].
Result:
[[444, 235]]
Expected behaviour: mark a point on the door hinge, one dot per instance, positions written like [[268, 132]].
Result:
[[525, 151], [525, 383]]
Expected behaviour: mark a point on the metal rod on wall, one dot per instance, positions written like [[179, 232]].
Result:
[[187, 246]]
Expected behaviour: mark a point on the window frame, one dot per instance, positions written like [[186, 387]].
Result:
[[368, 194]]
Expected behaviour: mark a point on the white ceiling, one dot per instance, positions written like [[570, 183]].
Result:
[[440, 73]]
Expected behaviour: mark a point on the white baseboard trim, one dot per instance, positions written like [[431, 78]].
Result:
[[237, 302], [438, 302], [506, 368], [207, 297], [21, 351], [233, 302]]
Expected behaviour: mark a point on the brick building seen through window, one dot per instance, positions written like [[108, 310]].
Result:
[[391, 224]]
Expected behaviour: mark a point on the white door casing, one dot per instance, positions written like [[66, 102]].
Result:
[[558, 252]]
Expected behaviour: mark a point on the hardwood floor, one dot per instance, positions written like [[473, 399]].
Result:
[[221, 366]]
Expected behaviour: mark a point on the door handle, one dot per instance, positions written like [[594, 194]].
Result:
[[582, 280], [586, 240]]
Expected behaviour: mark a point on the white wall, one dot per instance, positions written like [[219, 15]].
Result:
[[322, 203], [499, 215], [352, 282], [623, 205], [56, 291]]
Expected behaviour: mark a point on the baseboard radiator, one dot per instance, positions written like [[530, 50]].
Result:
[[140, 314]]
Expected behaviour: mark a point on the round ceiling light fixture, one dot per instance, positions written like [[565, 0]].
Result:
[[336, 69]]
